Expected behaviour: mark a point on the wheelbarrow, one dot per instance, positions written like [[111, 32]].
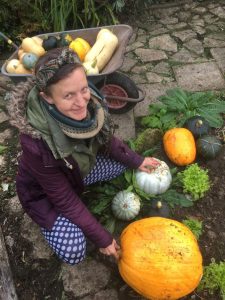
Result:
[[120, 92]]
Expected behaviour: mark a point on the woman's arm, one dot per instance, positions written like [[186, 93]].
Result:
[[63, 197]]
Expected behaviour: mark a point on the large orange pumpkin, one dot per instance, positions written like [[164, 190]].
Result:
[[179, 145], [160, 258]]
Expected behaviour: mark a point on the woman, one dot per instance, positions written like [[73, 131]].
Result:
[[66, 140]]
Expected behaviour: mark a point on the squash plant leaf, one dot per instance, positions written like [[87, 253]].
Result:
[[172, 197]]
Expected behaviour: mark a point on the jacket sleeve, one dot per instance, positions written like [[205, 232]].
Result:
[[64, 199], [119, 151]]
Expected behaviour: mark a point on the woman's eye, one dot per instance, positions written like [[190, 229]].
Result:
[[68, 96], [85, 89]]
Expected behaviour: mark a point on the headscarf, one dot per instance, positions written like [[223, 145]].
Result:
[[49, 69]]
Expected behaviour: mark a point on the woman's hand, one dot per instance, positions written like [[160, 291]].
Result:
[[112, 249], [148, 164]]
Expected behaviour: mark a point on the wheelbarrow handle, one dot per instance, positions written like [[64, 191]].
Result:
[[127, 99], [10, 42]]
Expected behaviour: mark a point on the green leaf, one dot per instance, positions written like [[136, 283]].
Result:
[[2, 149], [110, 224], [128, 176], [172, 197]]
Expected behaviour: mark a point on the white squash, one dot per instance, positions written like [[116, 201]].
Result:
[[103, 49], [156, 182], [12, 65], [126, 205]]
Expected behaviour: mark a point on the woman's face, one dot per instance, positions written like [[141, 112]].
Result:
[[71, 95]]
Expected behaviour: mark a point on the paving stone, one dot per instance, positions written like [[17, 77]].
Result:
[[213, 5], [212, 28], [219, 11], [153, 77], [163, 42], [196, 17], [153, 91], [198, 22], [88, 277], [198, 29], [211, 43], [217, 36], [184, 15], [148, 55], [14, 206], [6, 134], [162, 13], [159, 31], [123, 131], [3, 117], [177, 26], [31, 232], [221, 65], [109, 294], [218, 53], [168, 21], [2, 161], [141, 31], [195, 46], [134, 46], [184, 35], [162, 68], [210, 19], [128, 64], [184, 56], [141, 69], [199, 77], [142, 39], [138, 78], [199, 10]]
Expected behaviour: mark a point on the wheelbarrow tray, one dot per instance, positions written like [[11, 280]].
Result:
[[122, 31]]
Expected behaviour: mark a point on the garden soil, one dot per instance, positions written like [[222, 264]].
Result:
[[38, 278]]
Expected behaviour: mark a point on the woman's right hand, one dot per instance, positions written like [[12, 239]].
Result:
[[112, 249]]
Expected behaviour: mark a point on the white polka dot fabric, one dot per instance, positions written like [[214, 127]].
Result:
[[67, 239]]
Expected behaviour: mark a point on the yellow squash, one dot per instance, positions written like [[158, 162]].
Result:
[[81, 47]]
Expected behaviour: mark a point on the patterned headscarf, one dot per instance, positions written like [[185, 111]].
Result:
[[48, 70]]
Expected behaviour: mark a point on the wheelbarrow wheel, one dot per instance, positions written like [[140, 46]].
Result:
[[118, 84]]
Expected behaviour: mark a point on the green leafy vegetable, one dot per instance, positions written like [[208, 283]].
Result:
[[214, 278], [174, 108], [194, 225], [195, 181]]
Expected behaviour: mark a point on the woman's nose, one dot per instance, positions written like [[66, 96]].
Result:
[[80, 100]]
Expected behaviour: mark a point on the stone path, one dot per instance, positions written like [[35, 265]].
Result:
[[176, 46]]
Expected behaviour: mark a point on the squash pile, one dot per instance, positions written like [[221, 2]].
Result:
[[94, 58], [160, 258], [31, 49]]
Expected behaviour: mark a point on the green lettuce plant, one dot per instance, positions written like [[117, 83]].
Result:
[[194, 225], [214, 278], [195, 181]]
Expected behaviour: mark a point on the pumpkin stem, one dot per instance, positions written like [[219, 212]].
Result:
[[159, 204], [199, 123]]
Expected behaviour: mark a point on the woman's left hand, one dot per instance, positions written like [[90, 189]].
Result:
[[148, 164]]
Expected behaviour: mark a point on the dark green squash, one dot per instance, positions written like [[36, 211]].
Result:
[[197, 125], [64, 39], [208, 146], [50, 43]]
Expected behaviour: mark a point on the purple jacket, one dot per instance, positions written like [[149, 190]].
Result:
[[47, 188]]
